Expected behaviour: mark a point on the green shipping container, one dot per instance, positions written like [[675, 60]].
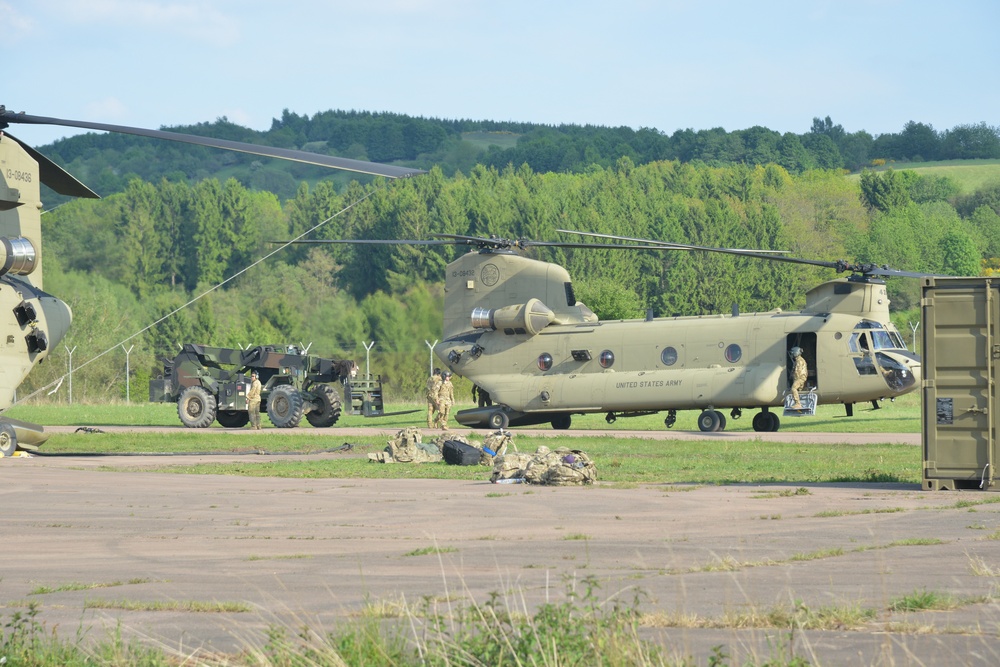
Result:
[[961, 353]]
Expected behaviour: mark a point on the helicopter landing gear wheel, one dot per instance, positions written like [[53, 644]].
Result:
[[722, 420], [196, 407], [562, 422], [766, 422], [611, 418], [8, 440], [499, 420], [709, 421], [773, 422], [671, 419]]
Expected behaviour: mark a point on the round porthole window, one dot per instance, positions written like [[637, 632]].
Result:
[[544, 361], [607, 359], [734, 353], [668, 356]]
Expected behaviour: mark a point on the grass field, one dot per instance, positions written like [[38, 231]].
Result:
[[620, 460], [899, 416], [969, 174]]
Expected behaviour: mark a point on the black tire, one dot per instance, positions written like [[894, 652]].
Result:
[[8, 440], [761, 421], [233, 418], [708, 421], [722, 421], [499, 419], [284, 406], [329, 409], [196, 407], [563, 422], [773, 422]]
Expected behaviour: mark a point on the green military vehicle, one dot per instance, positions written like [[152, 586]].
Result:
[[210, 384]]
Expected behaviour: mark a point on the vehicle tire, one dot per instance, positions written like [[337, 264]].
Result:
[[562, 422], [499, 419], [8, 440], [233, 418], [196, 407], [773, 422], [329, 407], [761, 421], [722, 421], [708, 421], [284, 406]]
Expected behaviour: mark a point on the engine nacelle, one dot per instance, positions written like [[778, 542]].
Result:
[[17, 256], [527, 318]]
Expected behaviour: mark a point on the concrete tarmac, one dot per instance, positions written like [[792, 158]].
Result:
[[88, 537]]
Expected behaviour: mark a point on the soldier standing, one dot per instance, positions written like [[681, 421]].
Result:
[[253, 401], [800, 373], [432, 391], [445, 399]]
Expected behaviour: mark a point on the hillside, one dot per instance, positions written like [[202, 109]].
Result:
[[969, 175], [106, 162]]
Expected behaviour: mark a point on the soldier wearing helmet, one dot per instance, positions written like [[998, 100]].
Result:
[[800, 373], [253, 401]]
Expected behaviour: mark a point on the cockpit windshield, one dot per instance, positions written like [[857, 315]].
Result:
[[882, 338]]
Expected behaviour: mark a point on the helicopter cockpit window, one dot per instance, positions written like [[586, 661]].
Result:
[[668, 356], [544, 361], [882, 340], [607, 359], [734, 353]]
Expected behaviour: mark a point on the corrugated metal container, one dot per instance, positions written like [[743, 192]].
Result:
[[961, 352]]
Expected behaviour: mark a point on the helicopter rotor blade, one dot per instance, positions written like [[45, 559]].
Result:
[[360, 166], [840, 266], [53, 175], [479, 242]]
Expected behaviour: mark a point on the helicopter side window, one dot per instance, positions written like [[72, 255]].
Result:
[[544, 361], [668, 356], [734, 353], [864, 364], [607, 359]]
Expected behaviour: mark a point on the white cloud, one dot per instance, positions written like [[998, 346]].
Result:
[[200, 21], [15, 24]]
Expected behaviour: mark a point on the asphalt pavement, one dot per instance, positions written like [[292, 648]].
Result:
[[84, 536]]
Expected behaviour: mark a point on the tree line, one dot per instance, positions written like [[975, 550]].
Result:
[[108, 162], [133, 258]]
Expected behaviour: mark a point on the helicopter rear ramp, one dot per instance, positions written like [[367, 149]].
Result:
[[961, 356]]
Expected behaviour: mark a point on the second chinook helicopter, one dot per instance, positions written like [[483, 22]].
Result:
[[513, 326]]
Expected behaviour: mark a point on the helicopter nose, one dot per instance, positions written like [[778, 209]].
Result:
[[901, 372]]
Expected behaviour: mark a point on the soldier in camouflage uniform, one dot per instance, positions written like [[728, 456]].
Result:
[[433, 382], [253, 401], [445, 399], [800, 373]]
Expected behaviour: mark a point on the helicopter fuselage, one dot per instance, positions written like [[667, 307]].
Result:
[[541, 363], [679, 363]]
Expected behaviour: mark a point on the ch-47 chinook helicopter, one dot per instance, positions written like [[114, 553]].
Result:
[[32, 322], [513, 326]]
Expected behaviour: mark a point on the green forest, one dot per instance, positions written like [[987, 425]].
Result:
[[193, 229]]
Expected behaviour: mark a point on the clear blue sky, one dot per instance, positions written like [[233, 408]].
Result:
[[672, 64]]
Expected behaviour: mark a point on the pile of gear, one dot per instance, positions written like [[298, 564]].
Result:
[[552, 467]]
